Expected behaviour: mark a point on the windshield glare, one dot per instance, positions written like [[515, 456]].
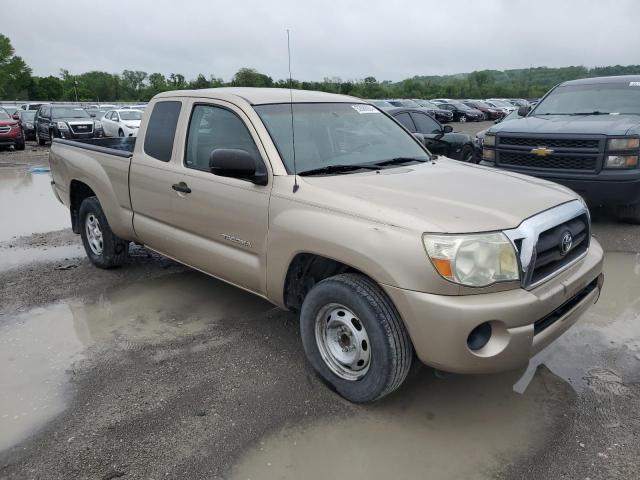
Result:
[[336, 134], [69, 112], [130, 115], [28, 114], [4, 115], [597, 97]]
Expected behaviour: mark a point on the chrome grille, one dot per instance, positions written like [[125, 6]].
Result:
[[81, 127], [5, 129], [539, 241]]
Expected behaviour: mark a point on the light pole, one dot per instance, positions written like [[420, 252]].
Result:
[[75, 89]]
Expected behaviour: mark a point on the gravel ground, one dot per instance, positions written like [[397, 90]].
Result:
[[196, 394]]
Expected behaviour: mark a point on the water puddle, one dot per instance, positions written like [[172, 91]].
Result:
[[14, 257], [468, 426], [38, 348], [28, 205]]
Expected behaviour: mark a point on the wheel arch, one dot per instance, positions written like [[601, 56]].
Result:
[[78, 191]]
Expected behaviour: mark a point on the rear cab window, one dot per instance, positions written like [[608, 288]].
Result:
[[161, 130]]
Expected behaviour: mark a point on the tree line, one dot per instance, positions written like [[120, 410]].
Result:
[[18, 82]]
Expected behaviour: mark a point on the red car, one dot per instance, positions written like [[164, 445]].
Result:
[[10, 131], [489, 112]]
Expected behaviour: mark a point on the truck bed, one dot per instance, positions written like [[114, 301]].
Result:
[[120, 146]]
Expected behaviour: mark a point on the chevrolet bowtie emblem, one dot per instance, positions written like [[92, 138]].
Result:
[[542, 151]]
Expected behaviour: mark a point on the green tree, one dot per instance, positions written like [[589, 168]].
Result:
[[15, 75], [250, 77]]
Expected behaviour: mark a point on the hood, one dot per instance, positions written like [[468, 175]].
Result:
[[442, 196], [580, 124], [4, 123], [66, 119], [132, 122]]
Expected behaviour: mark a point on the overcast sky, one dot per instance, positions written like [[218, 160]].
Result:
[[388, 39]]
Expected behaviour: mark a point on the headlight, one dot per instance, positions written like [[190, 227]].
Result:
[[133, 126], [98, 125], [489, 155], [62, 126], [623, 143], [29, 125], [475, 260], [489, 140], [621, 161]]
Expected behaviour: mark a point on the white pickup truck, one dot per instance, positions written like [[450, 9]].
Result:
[[329, 207]]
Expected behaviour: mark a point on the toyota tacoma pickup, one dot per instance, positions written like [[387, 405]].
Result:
[[584, 134], [325, 205]]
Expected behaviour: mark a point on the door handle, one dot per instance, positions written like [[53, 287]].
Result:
[[181, 187]]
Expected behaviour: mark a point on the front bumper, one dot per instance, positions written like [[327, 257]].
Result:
[[439, 325], [608, 187], [11, 139]]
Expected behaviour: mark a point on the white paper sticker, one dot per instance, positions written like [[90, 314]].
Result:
[[362, 108], [634, 84]]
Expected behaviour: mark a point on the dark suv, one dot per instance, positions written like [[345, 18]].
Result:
[[65, 121], [584, 134]]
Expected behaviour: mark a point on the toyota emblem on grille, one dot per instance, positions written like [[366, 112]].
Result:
[[566, 243]]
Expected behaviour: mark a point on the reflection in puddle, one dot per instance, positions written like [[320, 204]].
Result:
[[28, 205], [468, 426], [15, 257], [458, 427], [38, 347]]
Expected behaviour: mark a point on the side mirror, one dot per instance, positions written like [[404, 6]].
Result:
[[236, 163], [524, 111], [15, 116], [447, 129]]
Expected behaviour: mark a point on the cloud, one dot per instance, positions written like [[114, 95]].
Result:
[[388, 39]]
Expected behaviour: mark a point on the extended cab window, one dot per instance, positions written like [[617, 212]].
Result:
[[211, 128], [425, 123], [161, 130]]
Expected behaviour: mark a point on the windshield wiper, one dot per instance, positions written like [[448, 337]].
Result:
[[595, 112], [399, 160], [339, 169]]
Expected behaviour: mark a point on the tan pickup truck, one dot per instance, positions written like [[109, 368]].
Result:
[[385, 250]]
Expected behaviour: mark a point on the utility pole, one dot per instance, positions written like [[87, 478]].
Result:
[[75, 89]]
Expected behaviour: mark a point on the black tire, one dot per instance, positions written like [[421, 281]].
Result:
[[115, 251], [40, 141], [467, 154], [391, 352], [629, 213], [19, 146]]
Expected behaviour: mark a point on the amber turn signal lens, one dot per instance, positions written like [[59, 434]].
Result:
[[443, 267]]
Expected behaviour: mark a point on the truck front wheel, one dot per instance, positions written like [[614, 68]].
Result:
[[354, 337], [103, 247]]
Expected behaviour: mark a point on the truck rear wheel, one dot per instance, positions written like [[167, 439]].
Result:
[[629, 213], [103, 247], [354, 337]]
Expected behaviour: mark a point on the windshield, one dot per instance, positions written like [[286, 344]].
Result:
[[596, 97], [409, 103], [28, 114], [459, 105], [336, 134], [69, 112], [4, 115], [130, 115]]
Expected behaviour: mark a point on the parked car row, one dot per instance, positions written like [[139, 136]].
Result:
[[447, 110], [45, 121]]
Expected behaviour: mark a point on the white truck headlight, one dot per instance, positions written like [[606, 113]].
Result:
[[62, 126], [623, 143], [489, 140], [474, 260]]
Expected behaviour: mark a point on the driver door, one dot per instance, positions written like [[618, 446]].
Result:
[[432, 133]]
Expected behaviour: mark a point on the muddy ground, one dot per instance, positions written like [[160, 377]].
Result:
[[156, 371]]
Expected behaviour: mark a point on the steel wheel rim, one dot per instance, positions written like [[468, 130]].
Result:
[[343, 342], [463, 119], [94, 234]]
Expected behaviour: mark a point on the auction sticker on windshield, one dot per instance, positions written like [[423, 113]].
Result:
[[360, 108]]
